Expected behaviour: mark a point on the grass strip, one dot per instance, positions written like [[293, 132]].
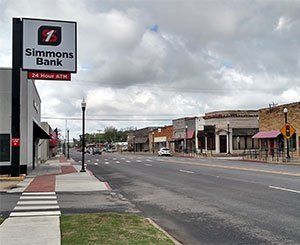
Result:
[[110, 228]]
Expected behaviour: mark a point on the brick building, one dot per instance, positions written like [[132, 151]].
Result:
[[272, 119], [161, 137]]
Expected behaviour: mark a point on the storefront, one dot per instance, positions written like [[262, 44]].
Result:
[[30, 117]]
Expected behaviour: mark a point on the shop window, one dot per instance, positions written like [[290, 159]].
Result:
[[292, 142], [4, 147], [235, 143], [211, 145]]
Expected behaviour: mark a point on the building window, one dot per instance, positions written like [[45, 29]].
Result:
[[4, 147], [211, 145]]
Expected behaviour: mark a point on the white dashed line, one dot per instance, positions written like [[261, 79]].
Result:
[[284, 189], [186, 171], [114, 159], [117, 162], [147, 164], [96, 163], [97, 160], [105, 159], [138, 160], [106, 162], [128, 161], [148, 160]]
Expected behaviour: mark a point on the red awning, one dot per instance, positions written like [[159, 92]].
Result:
[[190, 134], [267, 134]]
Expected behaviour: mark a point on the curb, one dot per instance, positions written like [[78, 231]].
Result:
[[163, 231], [8, 178]]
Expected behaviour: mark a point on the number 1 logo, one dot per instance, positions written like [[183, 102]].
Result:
[[49, 35]]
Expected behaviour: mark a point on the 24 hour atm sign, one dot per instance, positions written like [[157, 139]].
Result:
[[49, 45]]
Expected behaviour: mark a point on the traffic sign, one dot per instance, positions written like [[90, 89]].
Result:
[[287, 130]]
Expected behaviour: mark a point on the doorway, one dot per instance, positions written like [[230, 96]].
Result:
[[223, 144]]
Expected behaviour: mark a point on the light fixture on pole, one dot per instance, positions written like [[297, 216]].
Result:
[[186, 128], [285, 111], [153, 142], [83, 106], [68, 145], [228, 134]]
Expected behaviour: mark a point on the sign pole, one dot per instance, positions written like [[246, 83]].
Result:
[[15, 91], [287, 140]]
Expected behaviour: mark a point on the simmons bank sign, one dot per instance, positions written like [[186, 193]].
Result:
[[49, 48]]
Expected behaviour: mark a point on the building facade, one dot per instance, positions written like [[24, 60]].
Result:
[[140, 139], [30, 117], [161, 137], [271, 120], [229, 132]]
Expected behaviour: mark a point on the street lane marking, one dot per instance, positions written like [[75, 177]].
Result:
[[117, 162], [97, 160], [38, 197], [128, 161], [36, 213], [44, 207], [36, 202], [148, 160], [114, 159], [284, 189], [106, 162], [37, 193], [89, 160], [186, 171], [147, 164], [138, 160], [238, 168], [96, 163]]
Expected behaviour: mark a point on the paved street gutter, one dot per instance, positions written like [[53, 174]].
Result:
[[110, 228]]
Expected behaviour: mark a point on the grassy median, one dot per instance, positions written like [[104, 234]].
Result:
[[109, 228]]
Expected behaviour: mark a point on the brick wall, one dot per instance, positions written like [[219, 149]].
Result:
[[273, 118]]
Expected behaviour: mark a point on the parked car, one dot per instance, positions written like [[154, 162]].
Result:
[[96, 150], [164, 152]]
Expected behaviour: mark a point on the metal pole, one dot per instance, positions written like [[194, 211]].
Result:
[[68, 146], [186, 151], [153, 143], [287, 140], [15, 95], [228, 138], [83, 142]]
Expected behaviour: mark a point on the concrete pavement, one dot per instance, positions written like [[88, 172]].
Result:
[[35, 218]]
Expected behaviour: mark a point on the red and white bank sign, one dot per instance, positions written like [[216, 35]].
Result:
[[41, 75], [49, 49]]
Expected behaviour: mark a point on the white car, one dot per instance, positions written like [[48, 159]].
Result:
[[164, 152]]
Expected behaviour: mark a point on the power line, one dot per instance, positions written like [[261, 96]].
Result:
[[110, 119]]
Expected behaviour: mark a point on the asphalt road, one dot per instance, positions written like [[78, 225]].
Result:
[[206, 201]]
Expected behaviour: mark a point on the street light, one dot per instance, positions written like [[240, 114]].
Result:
[[153, 142], [228, 137], [68, 146], [83, 106], [186, 127], [285, 111]]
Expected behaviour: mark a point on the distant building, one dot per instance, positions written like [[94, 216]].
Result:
[[185, 131], [271, 120], [140, 139], [161, 137], [229, 131], [30, 117]]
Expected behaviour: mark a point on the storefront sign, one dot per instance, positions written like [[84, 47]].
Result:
[[15, 142], [41, 75], [49, 45]]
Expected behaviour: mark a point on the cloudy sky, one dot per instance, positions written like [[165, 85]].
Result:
[[166, 59]]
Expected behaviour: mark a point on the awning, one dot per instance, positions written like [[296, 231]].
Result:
[[39, 133], [267, 134], [190, 134], [141, 140]]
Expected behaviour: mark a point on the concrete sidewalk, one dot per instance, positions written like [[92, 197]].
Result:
[[36, 217]]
